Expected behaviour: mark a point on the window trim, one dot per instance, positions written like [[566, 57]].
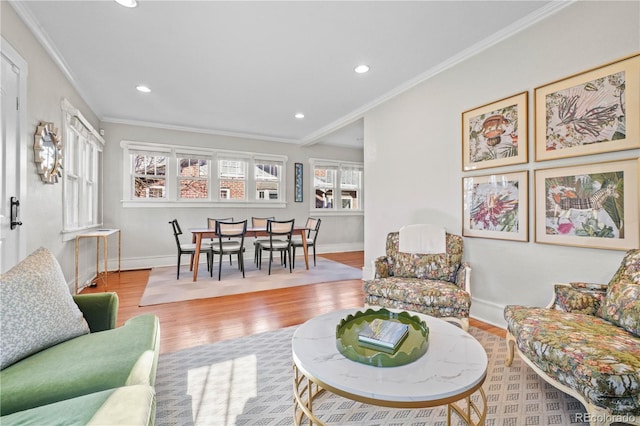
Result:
[[87, 142], [337, 209], [172, 200]]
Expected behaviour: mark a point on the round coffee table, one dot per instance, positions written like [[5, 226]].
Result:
[[453, 368]]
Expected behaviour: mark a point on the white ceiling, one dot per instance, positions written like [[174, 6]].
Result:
[[245, 68]]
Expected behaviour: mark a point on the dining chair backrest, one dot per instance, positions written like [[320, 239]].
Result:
[[260, 222], [211, 222], [280, 227], [176, 231], [231, 229], [313, 225]]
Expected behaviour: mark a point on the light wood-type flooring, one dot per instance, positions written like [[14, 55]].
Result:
[[198, 322]]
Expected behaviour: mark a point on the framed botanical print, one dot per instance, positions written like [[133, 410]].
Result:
[[592, 112], [495, 134], [495, 206], [592, 205]]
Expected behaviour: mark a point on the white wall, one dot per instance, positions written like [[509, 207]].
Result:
[[146, 235], [41, 210], [417, 135], [147, 239]]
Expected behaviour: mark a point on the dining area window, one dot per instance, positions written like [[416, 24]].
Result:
[[337, 186], [161, 175]]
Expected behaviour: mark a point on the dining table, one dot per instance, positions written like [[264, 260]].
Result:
[[200, 233]]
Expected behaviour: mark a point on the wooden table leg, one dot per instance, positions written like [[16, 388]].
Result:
[[196, 261], [303, 235]]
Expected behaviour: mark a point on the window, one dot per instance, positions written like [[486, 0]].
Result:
[[267, 178], [337, 186], [164, 175], [193, 175], [232, 177], [82, 174], [149, 175]]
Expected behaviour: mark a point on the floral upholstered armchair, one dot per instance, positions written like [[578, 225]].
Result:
[[586, 342], [432, 284]]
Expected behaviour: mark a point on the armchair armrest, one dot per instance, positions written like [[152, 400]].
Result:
[[382, 267], [99, 309], [463, 277], [578, 298]]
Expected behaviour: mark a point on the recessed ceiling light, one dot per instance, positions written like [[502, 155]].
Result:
[[127, 3], [143, 89], [299, 115], [361, 69]]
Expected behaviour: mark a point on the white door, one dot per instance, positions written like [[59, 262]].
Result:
[[12, 156]]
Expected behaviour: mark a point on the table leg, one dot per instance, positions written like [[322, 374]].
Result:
[[77, 252], [303, 235], [196, 260], [106, 270]]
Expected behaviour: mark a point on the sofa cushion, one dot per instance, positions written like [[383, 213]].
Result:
[[622, 305], [445, 298], [584, 352], [37, 310], [440, 266], [129, 405], [89, 363]]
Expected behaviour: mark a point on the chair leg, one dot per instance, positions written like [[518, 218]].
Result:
[[314, 255], [288, 252], [178, 273], [241, 262], [270, 260], [220, 266], [293, 261]]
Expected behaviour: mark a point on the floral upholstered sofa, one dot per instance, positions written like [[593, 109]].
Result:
[[432, 284], [587, 343]]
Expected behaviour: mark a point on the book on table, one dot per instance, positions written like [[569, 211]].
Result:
[[385, 335]]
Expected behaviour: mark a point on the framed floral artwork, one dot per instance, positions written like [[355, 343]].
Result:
[[495, 134], [592, 112], [495, 206], [592, 205]]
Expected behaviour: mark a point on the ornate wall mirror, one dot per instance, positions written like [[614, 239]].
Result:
[[48, 152]]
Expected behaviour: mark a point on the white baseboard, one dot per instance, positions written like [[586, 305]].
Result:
[[489, 312], [132, 263]]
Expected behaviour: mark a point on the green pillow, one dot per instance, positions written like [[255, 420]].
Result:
[[36, 308]]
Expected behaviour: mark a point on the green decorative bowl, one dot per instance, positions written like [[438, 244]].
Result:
[[412, 348]]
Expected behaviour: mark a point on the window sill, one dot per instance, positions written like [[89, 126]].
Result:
[[203, 204], [326, 212]]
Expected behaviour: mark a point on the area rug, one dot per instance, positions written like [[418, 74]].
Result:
[[248, 381], [163, 287]]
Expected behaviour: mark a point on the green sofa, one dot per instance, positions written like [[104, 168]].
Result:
[[103, 375]]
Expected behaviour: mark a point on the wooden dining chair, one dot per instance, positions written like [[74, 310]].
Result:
[[211, 224], [259, 222], [313, 226], [279, 232], [230, 241], [189, 248]]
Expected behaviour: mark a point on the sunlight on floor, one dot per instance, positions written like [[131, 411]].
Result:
[[219, 392]]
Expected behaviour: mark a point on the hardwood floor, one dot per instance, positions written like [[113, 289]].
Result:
[[197, 322]]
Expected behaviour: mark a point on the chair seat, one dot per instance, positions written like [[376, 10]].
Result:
[[227, 246], [276, 244], [440, 295], [298, 242], [204, 246]]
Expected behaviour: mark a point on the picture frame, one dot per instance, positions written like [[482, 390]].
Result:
[[298, 189], [585, 113], [590, 205], [496, 206], [495, 134]]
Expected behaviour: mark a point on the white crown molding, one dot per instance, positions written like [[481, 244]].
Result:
[[48, 45], [198, 130], [551, 8], [544, 12]]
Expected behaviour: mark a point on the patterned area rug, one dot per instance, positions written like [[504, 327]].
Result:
[[163, 287], [248, 381]]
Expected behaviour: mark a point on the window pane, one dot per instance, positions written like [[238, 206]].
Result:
[[324, 179], [350, 200], [193, 188], [150, 165], [232, 177], [193, 167], [267, 176], [149, 188], [324, 199], [267, 190]]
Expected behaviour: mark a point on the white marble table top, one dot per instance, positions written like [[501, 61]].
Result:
[[454, 363]]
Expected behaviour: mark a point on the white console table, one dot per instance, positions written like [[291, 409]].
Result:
[[99, 234]]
